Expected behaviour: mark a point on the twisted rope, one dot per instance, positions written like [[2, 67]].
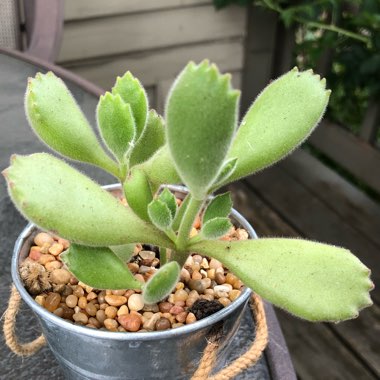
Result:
[[21, 349], [243, 362]]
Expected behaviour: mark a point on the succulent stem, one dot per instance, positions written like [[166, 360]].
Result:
[[187, 222]]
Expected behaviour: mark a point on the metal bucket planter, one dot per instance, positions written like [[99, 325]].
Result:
[[85, 353]]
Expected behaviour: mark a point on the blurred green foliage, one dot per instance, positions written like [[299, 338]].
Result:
[[350, 31]]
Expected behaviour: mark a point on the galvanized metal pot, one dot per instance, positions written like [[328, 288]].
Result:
[[86, 353]]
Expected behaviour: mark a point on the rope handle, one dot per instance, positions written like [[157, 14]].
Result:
[[248, 359], [21, 349], [209, 355]]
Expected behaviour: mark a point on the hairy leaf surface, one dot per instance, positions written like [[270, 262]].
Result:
[[150, 141], [201, 116], [311, 280], [72, 205], [280, 119], [56, 118], [99, 267], [133, 93], [162, 283], [138, 193], [116, 125]]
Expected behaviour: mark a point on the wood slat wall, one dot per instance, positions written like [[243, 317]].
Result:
[[154, 40]]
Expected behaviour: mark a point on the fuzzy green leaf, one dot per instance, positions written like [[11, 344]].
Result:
[[169, 199], [280, 119], [99, 267], [132, 92], [56, 118], [219, 207], [201, 116], [315, 281], [123, 252], [72, 205], [180, 213], [116, 125], [162, 283], [160, 214], [150, 141], [160, 168], [215, 228], [227, 169], [138, 193]]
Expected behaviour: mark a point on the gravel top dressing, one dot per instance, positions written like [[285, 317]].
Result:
[[204, 288]]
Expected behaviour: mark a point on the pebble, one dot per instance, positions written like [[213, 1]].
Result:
[[115, 300], [220, 279], [56, 249], [60, 276], [176, 310], [111, 312], [123, 310], [150, 324], [163, 324], [35, 253], [71, 301], [51, 265], [82, 302], [165, 307], [52, 301], [44, 259], [111, 324], [136, 302], [101, 316], [80, 317], [190, 318], [180, 295], [91, 309], [42, 238], [131, 322]]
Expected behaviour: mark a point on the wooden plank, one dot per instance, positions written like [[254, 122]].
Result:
[[83, 9], [338, 194], [154, 66], [355, 155], [139, 32], [313, 218], [259, 53], [363, 334], [318, 354], [359, 335], [371, 123]]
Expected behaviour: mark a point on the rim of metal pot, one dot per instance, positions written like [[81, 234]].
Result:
[[128, 336]]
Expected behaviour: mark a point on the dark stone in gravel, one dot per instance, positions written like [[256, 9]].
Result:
[[204, 308]]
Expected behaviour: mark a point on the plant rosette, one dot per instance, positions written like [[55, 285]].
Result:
[[199, 143]]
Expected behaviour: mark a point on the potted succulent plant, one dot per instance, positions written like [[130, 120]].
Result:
[[199, 144]]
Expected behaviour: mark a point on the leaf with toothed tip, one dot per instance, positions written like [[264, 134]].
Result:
[[219, 207], [133, 93], [314, 281], [215, 228], [73, 206], [116, 125], [201, 117], [150, 141], [56, 118], [169, 199], [160, 214], [280, 119], [99, 268], [161, 283]]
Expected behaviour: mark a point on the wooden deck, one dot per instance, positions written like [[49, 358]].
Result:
[[302, 197]]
